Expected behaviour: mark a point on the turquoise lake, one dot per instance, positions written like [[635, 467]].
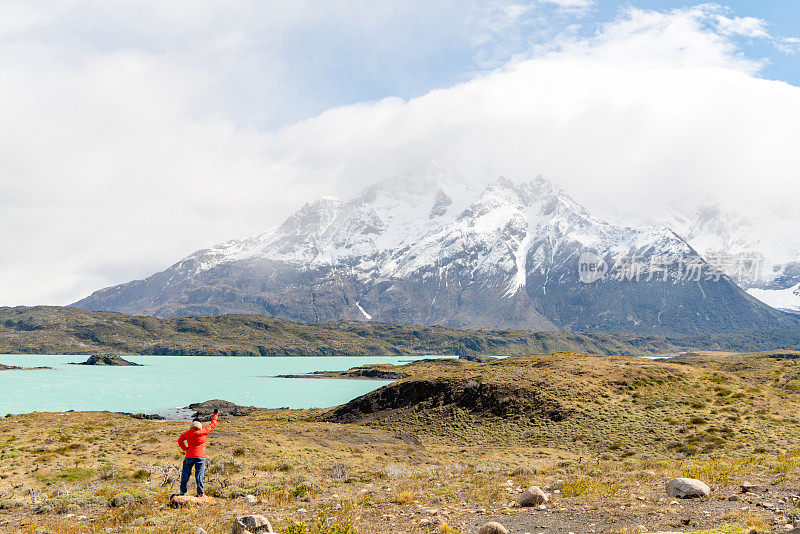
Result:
[[165, 383]]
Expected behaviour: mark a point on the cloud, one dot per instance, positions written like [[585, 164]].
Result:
[[124, 150], [789, 45], [656, 109], [570, 4], [745, 26], [720, 18]]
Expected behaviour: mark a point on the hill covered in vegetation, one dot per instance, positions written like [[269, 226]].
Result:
[[737, 404], [67, 330]]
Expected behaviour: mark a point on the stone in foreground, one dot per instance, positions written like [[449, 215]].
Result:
[[183, 500], [533, 496], [686, 488], [493, 528], [251, 524]]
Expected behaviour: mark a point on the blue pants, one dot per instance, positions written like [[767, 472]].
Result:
[[199, 473]]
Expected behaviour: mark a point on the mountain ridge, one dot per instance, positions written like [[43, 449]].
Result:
[[431, 251]]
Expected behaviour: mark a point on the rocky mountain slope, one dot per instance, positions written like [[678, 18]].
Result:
[[431, 251]]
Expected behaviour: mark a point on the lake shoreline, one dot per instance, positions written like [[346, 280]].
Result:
[[160, 385]]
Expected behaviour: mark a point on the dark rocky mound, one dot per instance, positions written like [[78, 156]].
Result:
[[15, 368], [375, 374], [204, 410], [427, 394], [107, 359], [782, 355], [477, 358], [364, 373], [145, 416]]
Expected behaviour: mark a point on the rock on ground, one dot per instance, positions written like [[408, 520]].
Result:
[[493, 528], [183, 500], [251, 524], [533, 496], [684, 488]]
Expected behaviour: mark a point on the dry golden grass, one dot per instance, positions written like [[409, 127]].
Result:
[[324, 478]]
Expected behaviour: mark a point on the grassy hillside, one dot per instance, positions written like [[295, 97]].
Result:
[[601, 435], [737, 404], [65, 330]]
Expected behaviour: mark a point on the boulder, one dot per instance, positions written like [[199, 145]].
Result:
[[533, 496], [249, 499], [493, 528], [204, 410], [183, 500], [685, 488], [251, 524]]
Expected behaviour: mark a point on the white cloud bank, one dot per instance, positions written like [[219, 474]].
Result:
[[114, 164]]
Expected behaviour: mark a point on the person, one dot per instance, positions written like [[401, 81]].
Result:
[[193, 443]]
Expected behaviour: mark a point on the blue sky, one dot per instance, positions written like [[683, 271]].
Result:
[[334, 68], [349, 68], [138, 131]]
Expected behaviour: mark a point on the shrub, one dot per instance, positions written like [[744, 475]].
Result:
[[402, 497], [323, 525], [283, 467], [589, 486], [717, 471], [8, 504], [107, 472], [339, 471], [69, 474], [300, 491], [106, 492], [122, 499], [296, 528]]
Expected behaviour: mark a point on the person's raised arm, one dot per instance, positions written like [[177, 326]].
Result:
[[182, 442], [213, 424]]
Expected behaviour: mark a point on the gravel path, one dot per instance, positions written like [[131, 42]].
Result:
[[775, 505]]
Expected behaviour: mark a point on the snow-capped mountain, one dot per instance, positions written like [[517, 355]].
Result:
[[732, 236], [429, 250]]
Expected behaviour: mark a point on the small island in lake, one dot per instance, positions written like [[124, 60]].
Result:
[[16, 368], [106, 359], [377, 372]]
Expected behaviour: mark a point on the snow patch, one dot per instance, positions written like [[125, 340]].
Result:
[[366, 315], [782, 299], [520, 260]]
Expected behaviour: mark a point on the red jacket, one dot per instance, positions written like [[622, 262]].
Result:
[[193, 441]]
